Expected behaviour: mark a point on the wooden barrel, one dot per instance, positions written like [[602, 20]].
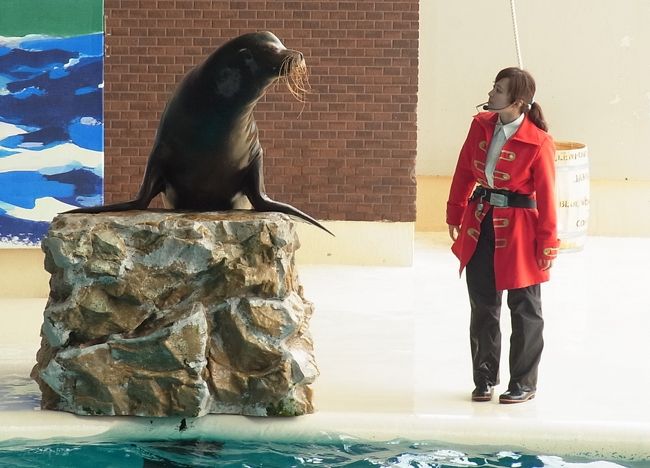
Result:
[[572, 193]]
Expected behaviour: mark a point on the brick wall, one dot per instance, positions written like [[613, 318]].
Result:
[[348, 154]]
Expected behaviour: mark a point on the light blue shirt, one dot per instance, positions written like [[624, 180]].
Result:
[[496, 145]]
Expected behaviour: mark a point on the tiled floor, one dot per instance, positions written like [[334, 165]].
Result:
[[393, 350]]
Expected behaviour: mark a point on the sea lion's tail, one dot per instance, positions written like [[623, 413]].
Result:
[[124, 206], [151, 186]]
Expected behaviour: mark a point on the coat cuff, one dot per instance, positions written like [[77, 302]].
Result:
[[454, 214], [548, 250]]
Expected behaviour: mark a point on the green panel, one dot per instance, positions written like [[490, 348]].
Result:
[[51, 17]]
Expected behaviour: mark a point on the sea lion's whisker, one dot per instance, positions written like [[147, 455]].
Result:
[[295, 76]]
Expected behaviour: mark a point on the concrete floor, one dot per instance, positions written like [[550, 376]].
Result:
[[393, 350]]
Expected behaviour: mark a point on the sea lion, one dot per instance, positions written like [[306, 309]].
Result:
[[206, 154]]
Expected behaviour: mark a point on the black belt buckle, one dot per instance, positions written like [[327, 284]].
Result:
[[498, 199]]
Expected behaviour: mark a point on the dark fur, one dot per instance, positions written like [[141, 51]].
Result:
[[207, 155]]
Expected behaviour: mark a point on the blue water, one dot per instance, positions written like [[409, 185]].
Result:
[[204, 453], [42, 79], [19, 393], [51, 94]]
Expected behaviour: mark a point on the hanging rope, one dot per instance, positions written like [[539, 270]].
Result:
[[516, 32]]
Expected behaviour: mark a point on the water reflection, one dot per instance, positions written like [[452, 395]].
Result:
[[18, 393]]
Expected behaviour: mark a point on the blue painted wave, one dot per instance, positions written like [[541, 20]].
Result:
[[88, 44], [51, 104]]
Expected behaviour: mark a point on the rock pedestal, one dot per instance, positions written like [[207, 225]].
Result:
[[175, 314]]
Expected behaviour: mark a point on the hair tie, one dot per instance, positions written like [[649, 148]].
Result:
[[532, 101]]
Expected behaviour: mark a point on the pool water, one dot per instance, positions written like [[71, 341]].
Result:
[[18, 393], [204, 453]]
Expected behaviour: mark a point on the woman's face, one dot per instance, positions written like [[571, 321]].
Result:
[[498, 97]]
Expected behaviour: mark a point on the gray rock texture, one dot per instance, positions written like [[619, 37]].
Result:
[[158, 313]]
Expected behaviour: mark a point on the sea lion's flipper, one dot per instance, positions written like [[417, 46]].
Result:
[[152, 185], [256, 193]]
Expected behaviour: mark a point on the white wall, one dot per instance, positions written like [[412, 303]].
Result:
[[590, 59]]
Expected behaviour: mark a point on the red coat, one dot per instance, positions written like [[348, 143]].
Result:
[[522, 235]]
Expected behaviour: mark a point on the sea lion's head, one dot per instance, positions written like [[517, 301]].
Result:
[[247, 65]]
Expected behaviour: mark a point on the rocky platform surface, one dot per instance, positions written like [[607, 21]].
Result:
[[158, 313]]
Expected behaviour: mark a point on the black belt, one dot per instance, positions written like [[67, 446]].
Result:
[[503, 198]]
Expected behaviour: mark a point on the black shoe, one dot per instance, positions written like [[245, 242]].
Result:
[[516, 396], [483, 392]]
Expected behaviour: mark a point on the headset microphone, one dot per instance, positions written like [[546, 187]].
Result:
[[486, 106]]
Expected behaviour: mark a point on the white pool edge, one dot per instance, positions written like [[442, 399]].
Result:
[[593, 439]]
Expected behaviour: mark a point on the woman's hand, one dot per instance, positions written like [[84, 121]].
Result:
[[544, 264], [453, 231]]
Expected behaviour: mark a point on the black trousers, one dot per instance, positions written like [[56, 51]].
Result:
[[526, 341]]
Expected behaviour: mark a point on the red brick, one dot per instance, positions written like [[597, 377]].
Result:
[[347, 154]]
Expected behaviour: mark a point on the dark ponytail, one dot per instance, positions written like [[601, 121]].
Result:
[[536, 116], [522, 86]]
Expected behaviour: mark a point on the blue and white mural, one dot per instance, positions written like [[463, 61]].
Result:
[[51, 131]]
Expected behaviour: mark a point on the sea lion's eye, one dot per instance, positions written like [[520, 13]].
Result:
[[246, 53]]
